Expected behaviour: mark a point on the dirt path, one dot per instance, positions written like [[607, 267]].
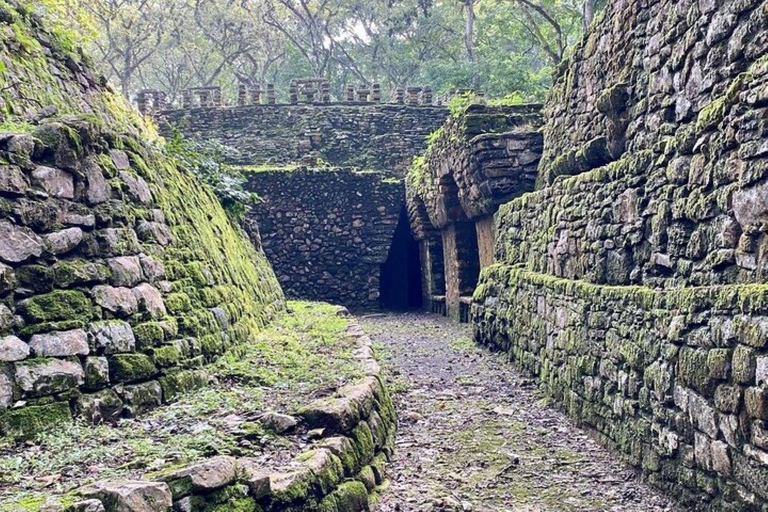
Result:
[[475, 435]]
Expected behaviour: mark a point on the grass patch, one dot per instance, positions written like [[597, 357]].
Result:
[[302, 355]]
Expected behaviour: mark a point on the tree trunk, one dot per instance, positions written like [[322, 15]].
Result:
[[469, 30], [589, 13]]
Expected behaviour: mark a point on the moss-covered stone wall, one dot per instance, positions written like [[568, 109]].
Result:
[[327, 231], [120, 273], [372, 137], [675, 380], [646, 71], [631, 283]]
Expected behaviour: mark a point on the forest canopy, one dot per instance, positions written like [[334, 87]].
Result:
[[505, 48]]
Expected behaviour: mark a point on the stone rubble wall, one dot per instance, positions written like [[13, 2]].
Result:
[[337, 473], [327, 231], [635, 290], [645, 70], [372, 137], [114, 284], [477, 161], [676, 380]]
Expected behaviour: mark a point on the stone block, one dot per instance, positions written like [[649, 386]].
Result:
[[119, 301], [63, 241], [203, 477], [761, 371], [60, 344], [101, 407], [130, 496], [277, 422], [112, 337], [139, 398], [59, 305], [18, 243], [42, 377], [744, 364], [324, 466], [13, 349], [125, 270], [728, 398], [96, 372], [137, 188], [131, 367], [54, 182], [27, 422], [150, 300], [98, 190], [6, 391], [12, 181], [756, 403], [153, 269]]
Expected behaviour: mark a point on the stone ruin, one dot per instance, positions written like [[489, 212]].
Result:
[[301, 91]]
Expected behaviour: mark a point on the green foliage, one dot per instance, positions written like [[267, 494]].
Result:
[[515, 45], [204, 159]]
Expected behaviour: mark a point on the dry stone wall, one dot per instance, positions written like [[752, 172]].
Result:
[[327, 231], [336, 473], [635, 290], [368, 136], [120, 274]]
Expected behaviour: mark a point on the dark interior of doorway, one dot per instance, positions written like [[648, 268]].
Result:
[[400, 280]]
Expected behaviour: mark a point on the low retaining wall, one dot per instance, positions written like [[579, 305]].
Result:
[[676, 380], [336, 473]]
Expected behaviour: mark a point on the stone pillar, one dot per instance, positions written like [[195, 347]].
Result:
[[242, 95], [486, 240], [256, 94], [161, 100], [398, 95], [293, 92], [325, 91], [426, 96], [216, 99], [349, 93], [363, 93], [412, 97], [186, 99], [271, 97], [141, 102], [432, 270], [462, 265], [205, 98], [376, 93]]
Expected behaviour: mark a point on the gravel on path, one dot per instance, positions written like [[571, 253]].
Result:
[[474, 434]]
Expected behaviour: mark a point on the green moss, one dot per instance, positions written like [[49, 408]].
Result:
[[66, 325], [130, 367], [238, 505], [176, 384], [166, 356], [362, 440], [76, 272], [149, 334], [28, 422], [349, 497], [57, 305], [178, 303]]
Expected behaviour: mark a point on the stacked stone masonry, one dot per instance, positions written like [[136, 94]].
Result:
[[114, 289], [635, 290], [382, 137], [480, 158], [327, 231], [336, 473]]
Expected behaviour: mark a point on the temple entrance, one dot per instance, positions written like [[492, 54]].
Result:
[[400, 283]]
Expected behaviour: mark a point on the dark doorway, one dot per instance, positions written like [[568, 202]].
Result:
[[400, 283]]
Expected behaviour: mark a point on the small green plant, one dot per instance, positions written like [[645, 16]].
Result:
[[205, 160]]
